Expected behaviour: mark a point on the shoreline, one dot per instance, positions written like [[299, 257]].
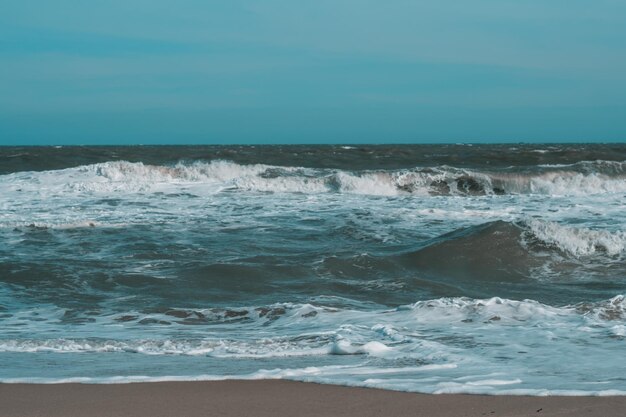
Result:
[[275, 398]]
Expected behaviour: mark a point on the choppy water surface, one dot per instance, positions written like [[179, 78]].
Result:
[[487, 269]]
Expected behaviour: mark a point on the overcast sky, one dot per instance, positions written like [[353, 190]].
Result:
[[319, 71]]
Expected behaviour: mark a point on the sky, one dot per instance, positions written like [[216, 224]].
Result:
[[319, 71]]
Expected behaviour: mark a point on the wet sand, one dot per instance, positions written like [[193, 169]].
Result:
[[275, 398]]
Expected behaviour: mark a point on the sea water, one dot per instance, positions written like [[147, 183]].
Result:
[[452, 268]]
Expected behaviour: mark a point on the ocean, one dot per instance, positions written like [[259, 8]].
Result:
[[496, 269]]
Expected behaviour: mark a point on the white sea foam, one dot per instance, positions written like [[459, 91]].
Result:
[[344, 347], [559, 183], [375, 333], [313, 375], [136, 177], [578, 241], [213, 347], [485, 311], [576, 184], [493, 346]]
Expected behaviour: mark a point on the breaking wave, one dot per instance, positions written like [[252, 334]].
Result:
[[576, 241], [497, 238], [577, 179], [487, 255]]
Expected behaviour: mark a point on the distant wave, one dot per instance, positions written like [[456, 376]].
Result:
[[591, 177]]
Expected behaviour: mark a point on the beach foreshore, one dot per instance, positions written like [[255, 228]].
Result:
[[275, 398]]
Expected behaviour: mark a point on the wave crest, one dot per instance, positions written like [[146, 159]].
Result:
[[576, 241], [119, 176], [496, 252]]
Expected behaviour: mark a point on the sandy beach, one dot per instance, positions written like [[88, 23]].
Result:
[[276, 398]]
